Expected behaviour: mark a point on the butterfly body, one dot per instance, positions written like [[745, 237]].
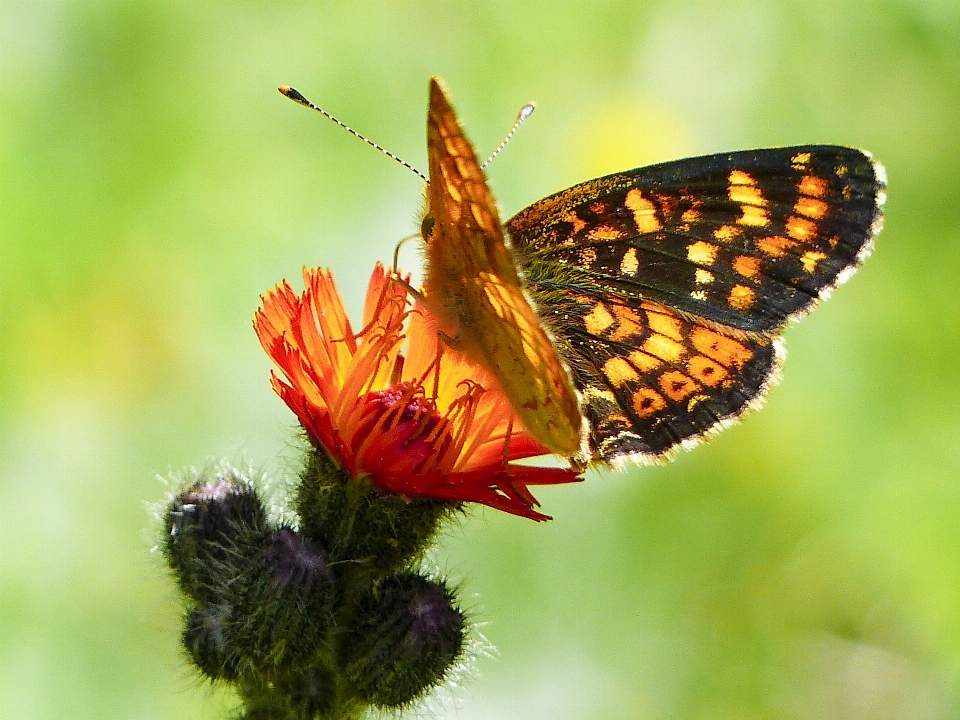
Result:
[[659, 293]]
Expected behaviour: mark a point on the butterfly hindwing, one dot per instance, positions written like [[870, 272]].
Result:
[[667, 287]]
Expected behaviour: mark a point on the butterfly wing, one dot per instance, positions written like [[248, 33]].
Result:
[[667, 287], [472, 286]]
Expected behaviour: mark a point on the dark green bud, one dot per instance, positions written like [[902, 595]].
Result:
[[379, 532], [410, 636], [208, 526], [207, 638]]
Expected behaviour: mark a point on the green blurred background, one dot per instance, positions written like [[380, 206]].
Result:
[[153, 183]]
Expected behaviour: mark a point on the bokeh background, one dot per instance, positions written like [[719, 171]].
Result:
[[153, 183]]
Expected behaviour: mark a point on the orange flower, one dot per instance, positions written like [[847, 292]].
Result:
[[386, 405]]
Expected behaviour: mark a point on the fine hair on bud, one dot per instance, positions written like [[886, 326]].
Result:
[[409, 634], [360, 523], [207, 525]]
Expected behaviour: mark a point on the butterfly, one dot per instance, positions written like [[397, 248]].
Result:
[[638, 313]]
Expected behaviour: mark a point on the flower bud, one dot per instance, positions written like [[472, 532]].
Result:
[[210, 524], [410, 635], [206, 636]]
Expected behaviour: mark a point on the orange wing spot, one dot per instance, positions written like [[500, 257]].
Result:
[[707, 371], [598, 319], [605, 232], [725, 350], [747, 265], [727, 232], [598, 208], [664, 348], [587, 257], [574, 219], [616, 420], [630, 264], [647, 402], [619, 372], [677, 386], [663, 323], [643, 362], [754, 216], [742, 297], [644, 212], [702, 253], [703, 277], [739, 177], [690, 215], [834, 241], [629, 324], [810, 260], [746, 195], [800, 158], [775, 246], [813, 186], [800, 228], [810, 207]]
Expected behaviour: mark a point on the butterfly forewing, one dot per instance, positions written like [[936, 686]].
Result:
[[667, 287], [748, 239], [472, 285]]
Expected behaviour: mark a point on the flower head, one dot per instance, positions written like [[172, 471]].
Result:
[[394, 404]]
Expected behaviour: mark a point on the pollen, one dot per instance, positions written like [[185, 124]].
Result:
[[644, 212]]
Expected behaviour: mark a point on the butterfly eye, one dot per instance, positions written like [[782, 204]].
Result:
[[426, 227]]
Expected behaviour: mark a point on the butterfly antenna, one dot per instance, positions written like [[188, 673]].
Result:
[[525, 112], [294, 95]]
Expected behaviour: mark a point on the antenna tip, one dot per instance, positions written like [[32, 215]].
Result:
[[526, 111], [293, 94]]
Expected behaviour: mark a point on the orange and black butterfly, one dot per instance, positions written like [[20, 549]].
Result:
[[637, 313], [664, 291]]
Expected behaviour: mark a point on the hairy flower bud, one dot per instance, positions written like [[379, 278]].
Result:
[[208, 525], [410, 635]]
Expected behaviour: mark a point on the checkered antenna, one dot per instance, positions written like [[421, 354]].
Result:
[[525, 112], [295, 95]]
